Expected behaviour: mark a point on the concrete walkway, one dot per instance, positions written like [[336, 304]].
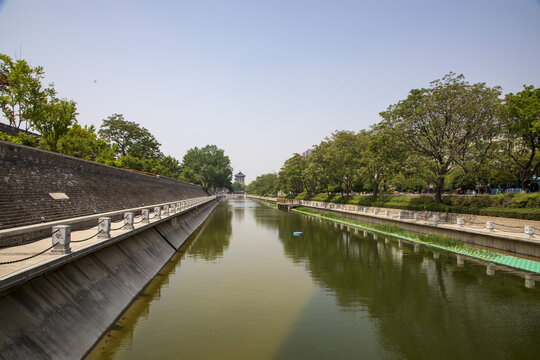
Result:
[[476, 224], [47, 259]]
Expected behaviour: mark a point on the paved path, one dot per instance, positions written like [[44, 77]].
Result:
[[19, 252]]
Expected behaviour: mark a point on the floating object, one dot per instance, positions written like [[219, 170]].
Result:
[[297, 233]]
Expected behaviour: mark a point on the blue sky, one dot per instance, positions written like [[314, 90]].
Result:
[[265, 79]]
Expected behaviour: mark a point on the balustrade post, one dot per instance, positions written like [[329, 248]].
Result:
[[104, 228], [61, 239], [128, 220], [157, 212], [529, 230], [145, 216]]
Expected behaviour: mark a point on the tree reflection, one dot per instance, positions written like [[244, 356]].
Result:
[[214, 238], [424, 307]]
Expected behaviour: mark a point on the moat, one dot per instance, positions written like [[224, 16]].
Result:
[[245, 288]]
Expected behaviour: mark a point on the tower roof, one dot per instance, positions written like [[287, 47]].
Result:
[[240, 174]]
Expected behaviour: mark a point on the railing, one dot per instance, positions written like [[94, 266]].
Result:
[[408, 215], [61, 230]]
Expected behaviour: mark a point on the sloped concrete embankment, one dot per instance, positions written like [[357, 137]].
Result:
[[61, 314]]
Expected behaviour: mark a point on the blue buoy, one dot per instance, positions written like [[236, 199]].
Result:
[[297, 233]]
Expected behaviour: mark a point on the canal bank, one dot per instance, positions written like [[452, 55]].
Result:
[[507, 235], [60, 310], [246, 288]]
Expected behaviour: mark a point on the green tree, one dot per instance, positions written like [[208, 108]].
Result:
[[345, 152], [167, 166], [264, 185], [130, 138], [189, 175], [22, 97], [291, 180], [322, 167], [57, 118], [238, 187], [381, 156], [211, 165], [83, 142], [442, 121], [522, 132]]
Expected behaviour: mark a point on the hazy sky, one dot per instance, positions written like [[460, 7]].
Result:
[[265, 79]]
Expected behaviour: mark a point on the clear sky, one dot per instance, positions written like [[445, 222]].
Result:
[[265, 79]]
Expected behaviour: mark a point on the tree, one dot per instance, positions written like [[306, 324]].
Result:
[[522, 132], [291, 180], [211, 165], [22, 97], [345, 152], [442, 121], [56, 119], [382, 155], [83, 142], [263, 185], [238, 187], [322, 167], [129, 137], [167, 166], [189, 175]]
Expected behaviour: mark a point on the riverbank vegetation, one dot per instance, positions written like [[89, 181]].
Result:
[[452, 137], [39, 118]]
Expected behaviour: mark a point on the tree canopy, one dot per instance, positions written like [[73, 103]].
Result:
[[210, 165], [441, 123], [130, 138], [522, 131], [264, 185], [22, 96]]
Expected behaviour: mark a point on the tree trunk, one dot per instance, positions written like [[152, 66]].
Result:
[[439, 189], [375, 188]]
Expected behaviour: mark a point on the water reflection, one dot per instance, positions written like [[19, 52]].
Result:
[[217, 235], [423, 307], [122, 331], [335, 292]]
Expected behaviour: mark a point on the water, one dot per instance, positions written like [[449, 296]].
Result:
[[246, 288]]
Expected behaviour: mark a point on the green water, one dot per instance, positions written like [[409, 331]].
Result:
[[246, 288]]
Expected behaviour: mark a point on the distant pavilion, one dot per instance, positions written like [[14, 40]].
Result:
[[240, 178]]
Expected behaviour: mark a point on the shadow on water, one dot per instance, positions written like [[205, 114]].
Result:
[[419, 307], [217, 235], [207, 243]]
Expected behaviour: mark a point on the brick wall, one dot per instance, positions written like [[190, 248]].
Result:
[[28, 175]]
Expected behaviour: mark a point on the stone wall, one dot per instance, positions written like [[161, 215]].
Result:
[[13, 131], [29, 175]]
